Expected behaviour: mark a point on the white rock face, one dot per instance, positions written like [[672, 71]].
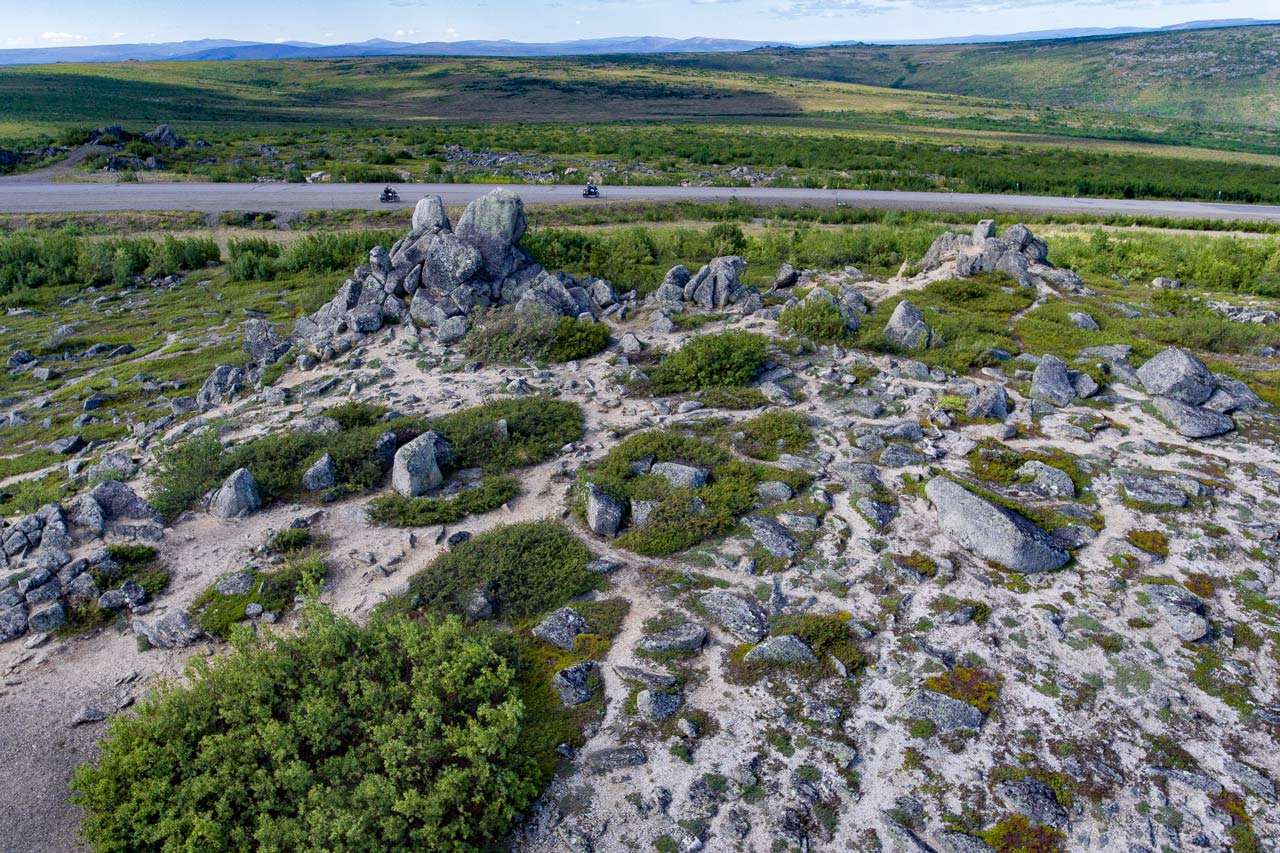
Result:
[[415, 471]]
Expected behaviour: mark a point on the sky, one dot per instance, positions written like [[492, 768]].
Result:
[[75, 22]]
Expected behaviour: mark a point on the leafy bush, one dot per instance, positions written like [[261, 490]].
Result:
[[503, 335], [137, 563], [535, 429], [1016, 834], [402, 736], [723, 360], [816, 319], [399, 511], [31, 260], [769, 435], [524, 569], [275, 590]]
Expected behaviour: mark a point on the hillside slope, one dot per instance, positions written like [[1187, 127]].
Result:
[[1226, 75]]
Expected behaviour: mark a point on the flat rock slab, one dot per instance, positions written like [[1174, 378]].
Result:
[[993, 532]]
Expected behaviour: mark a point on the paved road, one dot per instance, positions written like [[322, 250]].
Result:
[[18, 196]]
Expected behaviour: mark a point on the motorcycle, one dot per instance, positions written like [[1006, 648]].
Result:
[[389, 196], [591, 191]]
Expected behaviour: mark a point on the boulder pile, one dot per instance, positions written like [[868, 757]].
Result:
[[47, 580], [438, 275], [1017, 252]]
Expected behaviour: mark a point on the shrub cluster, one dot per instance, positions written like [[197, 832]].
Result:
[[724, 360], [30, 260], [403, 736], [819, 320], [502, 335], [399, 511], [507, 433], [523, 569], [682, 517], [260, 259], [274, 590]]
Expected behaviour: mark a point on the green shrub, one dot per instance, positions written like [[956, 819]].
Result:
[[770, 435], [1016, 834], [496, 437], [535, 430], [355, 414], [291, 539], [819, 320], [137, 563], [575, 339], [723, 360], [402, 736], [524, 569], [275, 590], [399, 511], [503, 335]]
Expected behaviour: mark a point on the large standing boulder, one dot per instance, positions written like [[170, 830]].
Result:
[[1179, 375], [429, 214], [1051, 382], [321, 476], [494, 224], [718, 283], [164, 137], [604, 512], [561, 627], [117, 502], [906, 327], [946, 714], [263, 344], [237, 497], [993, 532], [415, 470], [222, 385]]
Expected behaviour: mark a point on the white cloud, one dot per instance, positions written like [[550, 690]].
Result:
[[118, 35], [403, 33], [63, 38], [841, 8]]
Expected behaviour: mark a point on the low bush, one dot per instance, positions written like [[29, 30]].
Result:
[[724, 360], [770, 435], [406, 735], [510, 432], [275, 590], [816, 319], [30, 260], [495, 437], [523, 569], [399, 511], [502, 335]]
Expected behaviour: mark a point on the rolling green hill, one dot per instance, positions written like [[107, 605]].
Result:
[[1229, 76]]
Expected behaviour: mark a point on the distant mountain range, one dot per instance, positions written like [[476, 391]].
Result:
[[229, 49]]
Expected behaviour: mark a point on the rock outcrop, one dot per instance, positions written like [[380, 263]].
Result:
[[437, 276]]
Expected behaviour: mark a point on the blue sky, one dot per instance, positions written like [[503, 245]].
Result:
[[70, 22]]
